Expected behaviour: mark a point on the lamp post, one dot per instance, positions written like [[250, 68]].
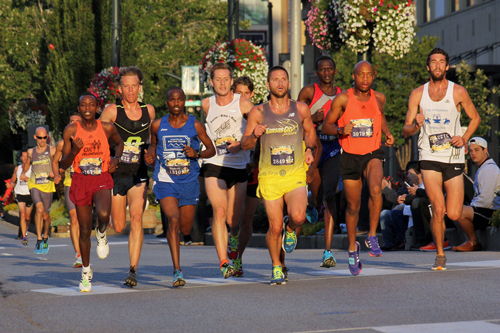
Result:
[[115, 34], [233, 19]]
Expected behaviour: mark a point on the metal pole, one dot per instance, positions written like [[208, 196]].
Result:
[[270, 32], [233, 19], [115, 34], [295, 53]]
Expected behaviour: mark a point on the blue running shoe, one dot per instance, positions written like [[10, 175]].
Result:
[[38, 247], [354, 263], [277, 278], [328, 260], [372, 244], [312, 215], [227, 270], [289, 238], [45, 246], [178, 280]]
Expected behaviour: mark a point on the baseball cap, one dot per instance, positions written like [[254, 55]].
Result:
[[479, 141]]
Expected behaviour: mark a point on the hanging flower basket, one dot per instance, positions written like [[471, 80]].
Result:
[[26, 112], [104, 87], [245, 58], [322, 27]]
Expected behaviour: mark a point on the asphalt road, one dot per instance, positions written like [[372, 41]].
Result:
[[395, 293]]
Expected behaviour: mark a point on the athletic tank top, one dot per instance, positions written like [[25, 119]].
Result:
[[281, 146], [93, 158], [68, 175], [225, 124], [174, 166], [366, 119], [135, 135], [442, 122], [41, 167], [22, 187]]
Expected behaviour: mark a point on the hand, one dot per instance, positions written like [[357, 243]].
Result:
[[51, 174], [319, 116], [401, 198], [77, 145], [385, 183], [149, 158], [308, 157], [234, 147], [457, 141], [190, 152], [412, 189], [23, 177], [113, 165], [389, 140], [347, 129], [259, 130], [57, 179], [420, 119]]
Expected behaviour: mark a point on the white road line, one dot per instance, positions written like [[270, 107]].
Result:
[[2, 248], [73, 291], [118, 243], [456, 327], [57, 245], [366, 272], [486, 263], [6, 254]]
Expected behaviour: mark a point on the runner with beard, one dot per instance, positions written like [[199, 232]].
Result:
[[434, 108]]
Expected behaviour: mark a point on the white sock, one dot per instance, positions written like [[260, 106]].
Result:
[[86, 270], [100, 234]]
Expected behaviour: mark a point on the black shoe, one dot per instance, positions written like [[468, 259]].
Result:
[[162, 235], [131, 280]]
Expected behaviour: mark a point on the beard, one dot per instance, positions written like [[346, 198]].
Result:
[[279, 95], [438, 77]]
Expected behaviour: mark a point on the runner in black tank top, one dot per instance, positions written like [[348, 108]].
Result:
[[132, 120]]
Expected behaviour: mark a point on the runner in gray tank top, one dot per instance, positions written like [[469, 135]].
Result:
[[434, 109]]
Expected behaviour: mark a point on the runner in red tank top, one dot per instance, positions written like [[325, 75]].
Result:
[[86, 147], [361, 119]]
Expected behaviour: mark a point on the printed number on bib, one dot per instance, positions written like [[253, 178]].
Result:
[[222, 144], [362, 128], [42, 178], [283, 155], [91, 166], [324, 137], [132, 150], [440, 141], [177, 167]]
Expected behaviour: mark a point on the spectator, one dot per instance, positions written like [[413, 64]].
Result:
[[486, 198]]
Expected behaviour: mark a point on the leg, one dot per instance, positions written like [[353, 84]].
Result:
[[330, 177], [274, 211], [433, 181], [236, 204], [464, 222], [74, 231], [218, 196], [84, 214], [102, 200], [296, 202], [170, 206], [119, 212], [246, 228], [352, 190], [373, 174], [22, 218], [39, 220], [136, 198]]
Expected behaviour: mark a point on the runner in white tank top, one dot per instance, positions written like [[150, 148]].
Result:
[[441, 143], [23, 197], [225, 173]]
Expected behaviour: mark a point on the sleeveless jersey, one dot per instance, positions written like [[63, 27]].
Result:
[[281, 146], [225, 124], [366, 118], [41, 167], [442, 122], [174, 166], [93, 158], [22, 187], [320, 100], [68, 174], [135, 134]]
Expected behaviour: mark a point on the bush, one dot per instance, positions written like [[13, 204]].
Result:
[[12, 206], [59, 213], [495, 219]]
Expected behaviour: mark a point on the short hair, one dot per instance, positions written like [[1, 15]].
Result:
[[218, 66], [175, 88], [245, 81], [415, 165], [277, 68], [437, 50], [23, 150], [86, 93], [74, 113], [130, 71], [324, 57]]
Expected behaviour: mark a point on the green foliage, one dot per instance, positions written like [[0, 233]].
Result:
[[309, 229], [495, 219], [12, 206], [479, 94], [59, 213]]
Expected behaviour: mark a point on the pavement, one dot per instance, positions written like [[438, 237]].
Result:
[[394, 293]]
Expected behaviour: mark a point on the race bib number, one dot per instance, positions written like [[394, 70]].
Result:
[[362, 128], [91, 166], [322, 136], [222, 144], [177, 167], [132, 150], [439, 142], [283, 155], [42, 178]]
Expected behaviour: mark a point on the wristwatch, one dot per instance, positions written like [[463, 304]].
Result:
[[312, 149], [119, 158], [198, 153]]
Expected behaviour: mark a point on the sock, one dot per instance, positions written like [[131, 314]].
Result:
[[86, 270], [223, 262], [100, 234]]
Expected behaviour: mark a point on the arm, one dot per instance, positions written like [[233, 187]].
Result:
[[254, 129], [410, 128], [310, 136], [109, 114], [389, 139], [150, 154], [112, 134], [207, 142], [55, 161], [245, 107], [305, 96], [460, 94], [205, 105], [152, 116], [336, 110], [314, 165], [13, 179], [71, 147], [26, 166]]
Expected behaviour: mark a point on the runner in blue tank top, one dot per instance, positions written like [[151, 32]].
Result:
[[175, 149]]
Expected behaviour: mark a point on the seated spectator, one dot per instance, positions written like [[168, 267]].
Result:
[[486, 198], [395, 222]]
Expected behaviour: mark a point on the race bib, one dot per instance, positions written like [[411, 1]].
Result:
[[91, 166], [42, 178], [222, 144], [362, 128], [177, 167], [282, 155], [322, 136], [131, 154], [440, 141]]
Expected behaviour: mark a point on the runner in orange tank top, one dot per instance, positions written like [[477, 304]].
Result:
[[86, 146], [361, 119]]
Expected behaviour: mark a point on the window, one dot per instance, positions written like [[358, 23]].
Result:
[[439, 9], [254, 10], [455, 5]]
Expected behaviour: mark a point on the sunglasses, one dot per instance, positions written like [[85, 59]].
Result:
[[41, 137]]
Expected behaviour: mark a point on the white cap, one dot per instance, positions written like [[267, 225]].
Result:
[[478, 141]]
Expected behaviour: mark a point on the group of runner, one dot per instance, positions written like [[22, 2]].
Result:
[[327, 134]]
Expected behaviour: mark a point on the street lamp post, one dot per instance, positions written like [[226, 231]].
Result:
[[115, 34], [233, 19]]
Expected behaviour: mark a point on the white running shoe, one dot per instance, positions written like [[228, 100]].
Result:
[[86, 282], [102, 244], [78, 262]]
